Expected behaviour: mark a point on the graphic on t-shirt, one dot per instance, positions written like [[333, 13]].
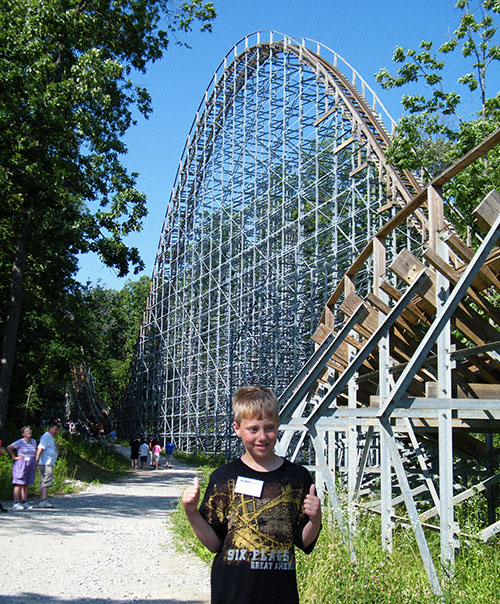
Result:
[[259, 530]]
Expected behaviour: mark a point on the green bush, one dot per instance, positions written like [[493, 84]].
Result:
[[5, 477]]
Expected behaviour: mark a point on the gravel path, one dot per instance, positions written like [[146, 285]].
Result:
[[107, 544]]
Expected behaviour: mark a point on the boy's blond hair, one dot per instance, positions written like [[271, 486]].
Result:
[[255, 402]]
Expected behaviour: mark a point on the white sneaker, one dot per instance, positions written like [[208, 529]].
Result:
[[44, 503], [27, 506], [18, 506]]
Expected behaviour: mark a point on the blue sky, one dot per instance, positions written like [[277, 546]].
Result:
[[364, 32]]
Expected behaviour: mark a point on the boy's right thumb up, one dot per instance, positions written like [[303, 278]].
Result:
[[196, 482]]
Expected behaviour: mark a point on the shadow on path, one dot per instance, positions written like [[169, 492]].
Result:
[[108, 544], [28, 597], [139, 492]]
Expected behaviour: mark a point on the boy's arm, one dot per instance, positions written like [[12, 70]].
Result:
[[312, 508], [202, 529]]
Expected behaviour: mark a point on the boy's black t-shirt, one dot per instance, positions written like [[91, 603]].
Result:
[[256, 562]]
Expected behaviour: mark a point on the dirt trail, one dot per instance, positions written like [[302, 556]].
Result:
[[107, 544]]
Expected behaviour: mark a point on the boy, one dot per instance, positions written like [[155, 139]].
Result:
[[254, 511]]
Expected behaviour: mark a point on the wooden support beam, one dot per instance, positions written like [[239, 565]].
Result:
[[453, 276], [412, 312], [486, 276], [406, 266], [486, 212]]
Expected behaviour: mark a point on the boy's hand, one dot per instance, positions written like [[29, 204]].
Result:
[[312, 505], [191, 497]]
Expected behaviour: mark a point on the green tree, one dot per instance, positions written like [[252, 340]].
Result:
[[439, 126], [112, 325], [66, 99]]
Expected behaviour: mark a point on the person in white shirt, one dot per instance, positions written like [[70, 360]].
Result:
[[143, 454], [46, 455]]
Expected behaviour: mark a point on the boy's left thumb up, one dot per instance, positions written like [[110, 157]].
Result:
[[312, 490]]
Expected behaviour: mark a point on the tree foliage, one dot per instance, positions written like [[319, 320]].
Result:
[[446, 116], [67, 97], [114, 318]]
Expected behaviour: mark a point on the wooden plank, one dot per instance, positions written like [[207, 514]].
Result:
[[443, 267], [386, 206], [343, 145], [466, 314], [486, 276], [381, 306], [338, 367], [469, 390], [486, 391], [487, 211], [460, 248], [453, 276], [469, 322], [489, 423], [324, 116], [411, 310], [369, 323], [406, 266], [358, 169], [322, 331]]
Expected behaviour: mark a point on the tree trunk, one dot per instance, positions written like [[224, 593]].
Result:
[[12, 320]]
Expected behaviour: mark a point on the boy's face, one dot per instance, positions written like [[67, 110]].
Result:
[[258, 435]]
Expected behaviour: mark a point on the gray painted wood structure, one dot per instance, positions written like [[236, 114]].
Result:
[[424, 374]]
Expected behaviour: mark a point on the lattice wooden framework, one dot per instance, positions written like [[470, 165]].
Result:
[[281, 185], [413, 366]]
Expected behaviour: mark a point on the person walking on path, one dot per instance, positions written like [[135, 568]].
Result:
[[23, 452], [135, 443], [255, 510], [46, 456], [143, 454], [156, 455], [169, 450]]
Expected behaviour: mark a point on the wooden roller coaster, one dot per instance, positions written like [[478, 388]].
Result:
[[407, 377]]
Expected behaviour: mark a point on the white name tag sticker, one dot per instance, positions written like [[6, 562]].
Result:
[[249, 486]]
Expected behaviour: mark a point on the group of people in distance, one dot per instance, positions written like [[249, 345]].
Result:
[[141, 448], [27, 456], [255, 510]]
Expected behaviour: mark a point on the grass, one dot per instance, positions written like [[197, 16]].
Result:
[[184, 538], [329, 574], [80, 462]]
